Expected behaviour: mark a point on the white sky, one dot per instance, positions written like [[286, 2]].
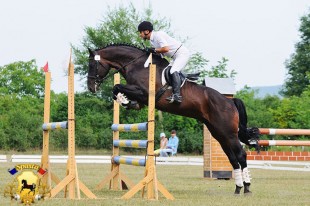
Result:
[[256, 36]]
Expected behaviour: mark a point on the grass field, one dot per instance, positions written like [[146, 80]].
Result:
[[186, 184]]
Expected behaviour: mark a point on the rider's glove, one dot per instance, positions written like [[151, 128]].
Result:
[[151, 50]]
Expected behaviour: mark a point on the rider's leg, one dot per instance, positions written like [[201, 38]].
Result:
[[176, 84], [180, 60]]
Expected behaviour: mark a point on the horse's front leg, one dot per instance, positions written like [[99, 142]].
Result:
[[129, 96]]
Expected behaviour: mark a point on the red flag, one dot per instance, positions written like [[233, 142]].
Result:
[[45, 68], [41, 171]]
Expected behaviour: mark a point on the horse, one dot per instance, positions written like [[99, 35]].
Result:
[[25, 185], [202, 103]]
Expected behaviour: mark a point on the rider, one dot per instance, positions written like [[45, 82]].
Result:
[[167, 46]]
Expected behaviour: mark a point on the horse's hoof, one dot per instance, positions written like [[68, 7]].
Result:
[[134, 105], [247, 188], [237, 190]]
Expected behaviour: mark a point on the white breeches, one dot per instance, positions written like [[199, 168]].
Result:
[[179, 60]]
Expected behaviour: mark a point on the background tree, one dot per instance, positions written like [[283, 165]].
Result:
[[119, 25], [21, 79], [259, 110], [20, 121], [298, 66]]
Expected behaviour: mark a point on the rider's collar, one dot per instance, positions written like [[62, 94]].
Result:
[[152, 36]]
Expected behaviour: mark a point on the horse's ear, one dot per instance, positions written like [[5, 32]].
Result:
[[91, 53]]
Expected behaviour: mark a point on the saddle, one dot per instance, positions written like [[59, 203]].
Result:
[[184, 77], [167, 82]]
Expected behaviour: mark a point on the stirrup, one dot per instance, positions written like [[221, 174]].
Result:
[[170, 99], [174, 98]]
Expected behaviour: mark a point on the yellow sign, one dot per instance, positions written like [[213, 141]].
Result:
[[26, 187]]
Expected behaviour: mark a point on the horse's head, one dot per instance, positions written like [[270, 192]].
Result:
[[128, 60], [97, 71]]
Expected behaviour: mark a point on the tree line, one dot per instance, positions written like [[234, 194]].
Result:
[[22, 107]]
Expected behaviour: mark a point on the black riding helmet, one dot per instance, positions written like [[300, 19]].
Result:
[[145, 25]]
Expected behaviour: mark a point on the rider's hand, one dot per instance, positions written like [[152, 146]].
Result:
[[151, 50]]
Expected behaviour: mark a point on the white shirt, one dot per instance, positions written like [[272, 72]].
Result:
[[161, 39]]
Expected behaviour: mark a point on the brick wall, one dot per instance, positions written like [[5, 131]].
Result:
[[278, 156], [216, 164]]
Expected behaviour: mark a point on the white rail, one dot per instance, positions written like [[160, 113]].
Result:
[[198, 161], [3, 158]]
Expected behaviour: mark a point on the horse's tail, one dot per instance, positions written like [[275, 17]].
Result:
[[248, 136], [243, 120]]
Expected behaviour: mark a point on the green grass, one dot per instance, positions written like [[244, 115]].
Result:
[[185, 183]]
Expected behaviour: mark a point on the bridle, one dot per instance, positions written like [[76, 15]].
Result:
[[96, 76], [122, 69]]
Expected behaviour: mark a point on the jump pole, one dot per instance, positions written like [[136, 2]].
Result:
[[71, 180], [270, 131], [150, 180], [116, 178], [283, 143]]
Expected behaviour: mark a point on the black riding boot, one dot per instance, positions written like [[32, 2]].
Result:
[[176, 84]]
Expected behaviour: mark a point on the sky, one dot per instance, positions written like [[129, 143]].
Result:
[[257, 37]]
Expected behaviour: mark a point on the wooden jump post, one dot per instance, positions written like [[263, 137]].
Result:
[[71, 180], [48, 176], [116, 178]]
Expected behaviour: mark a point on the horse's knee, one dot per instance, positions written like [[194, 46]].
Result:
[[116, 89]]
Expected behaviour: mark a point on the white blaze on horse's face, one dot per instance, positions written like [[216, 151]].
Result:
[[97, 57]]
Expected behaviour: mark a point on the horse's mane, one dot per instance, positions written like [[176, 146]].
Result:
[[121, 44], [132, 46]]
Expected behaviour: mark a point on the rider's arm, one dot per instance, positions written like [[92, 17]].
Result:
[[162, 49]]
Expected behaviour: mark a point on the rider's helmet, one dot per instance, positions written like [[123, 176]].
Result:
[[145, 25]]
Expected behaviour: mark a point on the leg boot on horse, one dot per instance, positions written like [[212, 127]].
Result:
[[176, 84]]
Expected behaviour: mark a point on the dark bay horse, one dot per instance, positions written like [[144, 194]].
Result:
[[205, 104]]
